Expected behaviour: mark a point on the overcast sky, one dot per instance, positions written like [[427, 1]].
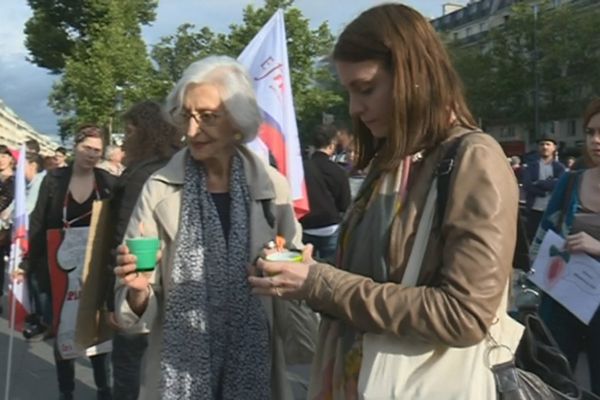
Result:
[[25, 87]]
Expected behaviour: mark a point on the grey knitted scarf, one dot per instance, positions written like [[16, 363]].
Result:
[[216, 339]]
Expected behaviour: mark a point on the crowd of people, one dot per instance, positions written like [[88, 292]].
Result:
[[406, 277]]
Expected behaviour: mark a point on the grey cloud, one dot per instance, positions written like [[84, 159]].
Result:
[[25, 89]]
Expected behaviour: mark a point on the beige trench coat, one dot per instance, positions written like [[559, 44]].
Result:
[[293, 326]]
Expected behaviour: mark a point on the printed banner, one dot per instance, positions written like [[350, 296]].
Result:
[[78, 262]]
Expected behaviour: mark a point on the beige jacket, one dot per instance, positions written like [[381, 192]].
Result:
[[293, 326], [466, 266]]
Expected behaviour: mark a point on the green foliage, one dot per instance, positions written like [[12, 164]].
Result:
[[499, 76], [312, 81], [55, 28], [111, 68], [97, 47]]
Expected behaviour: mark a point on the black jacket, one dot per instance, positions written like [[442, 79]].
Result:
[[328, 191], [47, 214], [7, 192], [126, 193]]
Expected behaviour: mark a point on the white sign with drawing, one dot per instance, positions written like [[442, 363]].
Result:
[[572, 279], [70, 257]]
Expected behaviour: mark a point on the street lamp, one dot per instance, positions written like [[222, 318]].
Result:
[[118, 106]]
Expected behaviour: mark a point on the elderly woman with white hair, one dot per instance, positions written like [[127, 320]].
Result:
[[213, 206]]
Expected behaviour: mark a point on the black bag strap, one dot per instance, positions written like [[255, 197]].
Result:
[[444, 171]]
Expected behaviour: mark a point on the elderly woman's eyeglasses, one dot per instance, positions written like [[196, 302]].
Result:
[[204, 118]]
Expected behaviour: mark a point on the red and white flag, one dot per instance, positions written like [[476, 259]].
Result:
[[19, 246], [266, 59]]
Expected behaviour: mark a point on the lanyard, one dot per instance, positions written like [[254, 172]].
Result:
[[67, 224]]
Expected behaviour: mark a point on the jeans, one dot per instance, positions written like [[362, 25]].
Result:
[[127, 354], [65, 373], [534, 218], [324, 246], [42, 303], [573, 336]]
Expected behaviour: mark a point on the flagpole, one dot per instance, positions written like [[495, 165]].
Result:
[[11, 336], [19, 244]]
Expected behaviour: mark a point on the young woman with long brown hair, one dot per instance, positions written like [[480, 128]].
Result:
[[408, 109]]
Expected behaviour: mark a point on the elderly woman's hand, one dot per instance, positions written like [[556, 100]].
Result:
[[281, 278], [137, 282]]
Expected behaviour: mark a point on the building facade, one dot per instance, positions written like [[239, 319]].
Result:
[[470, 24], [14, 131]]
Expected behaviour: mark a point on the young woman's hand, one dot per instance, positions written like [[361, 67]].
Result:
[[582, 242]]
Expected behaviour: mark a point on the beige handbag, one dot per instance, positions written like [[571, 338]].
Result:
[[395, 367]]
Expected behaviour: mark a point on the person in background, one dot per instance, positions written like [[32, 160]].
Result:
[[149, 144], [34, 176], [32, 146], [343, 141], [539, 180], [328, 194], [113, 160], [577, 193], [213, 207], [7, 190], [515, 164], [569, 163], [408, 108], [49, 163], [65, 200], [60, 157]]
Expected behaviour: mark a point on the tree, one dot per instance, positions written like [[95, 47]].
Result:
[[499, 75], [56, 27], [110, 66], [312, 81]]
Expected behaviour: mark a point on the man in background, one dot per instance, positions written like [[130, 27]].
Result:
[[60, 157], [539, 179], [328, 194]]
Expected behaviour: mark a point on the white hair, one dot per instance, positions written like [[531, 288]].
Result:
[[235, 88], [110, 150]]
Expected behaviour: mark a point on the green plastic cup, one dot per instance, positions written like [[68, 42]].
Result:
[[145, 249], [286, 255]]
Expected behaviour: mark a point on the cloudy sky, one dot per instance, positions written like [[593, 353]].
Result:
[[25, 87]]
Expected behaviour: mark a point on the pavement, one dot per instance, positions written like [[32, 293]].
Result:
[[33, 375]]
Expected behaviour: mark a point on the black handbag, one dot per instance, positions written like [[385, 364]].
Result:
[[540, 371]]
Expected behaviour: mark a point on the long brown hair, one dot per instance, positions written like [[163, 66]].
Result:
[[592, 109], [427, 94], [153, 137]]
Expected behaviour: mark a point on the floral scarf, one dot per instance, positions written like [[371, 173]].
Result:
[[367, 226]]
